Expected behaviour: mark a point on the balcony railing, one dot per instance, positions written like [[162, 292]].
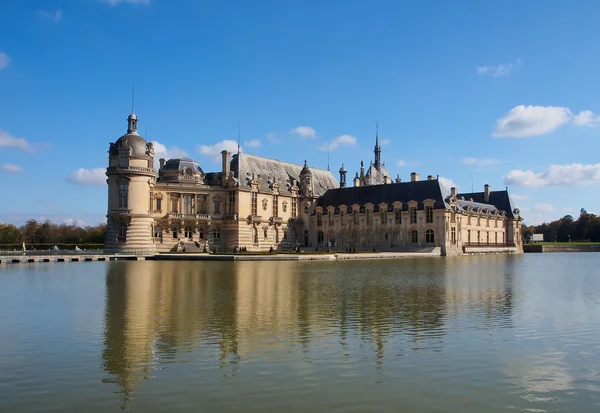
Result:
[[255, 218], [120, 211], [181, 178], [488, 244], [175, 215], [277, 220], [131, 169]]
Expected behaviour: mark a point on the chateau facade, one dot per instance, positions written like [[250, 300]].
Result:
[[258, 203]]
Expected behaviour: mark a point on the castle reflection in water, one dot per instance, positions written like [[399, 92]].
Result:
[[228, 314]]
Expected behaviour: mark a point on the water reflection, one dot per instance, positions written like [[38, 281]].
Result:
[[232, 315]]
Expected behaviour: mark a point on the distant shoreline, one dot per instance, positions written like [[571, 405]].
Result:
[[561, 247]]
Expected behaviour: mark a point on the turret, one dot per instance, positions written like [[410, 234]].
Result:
[[377, 150], [343, 176], [306, 183]]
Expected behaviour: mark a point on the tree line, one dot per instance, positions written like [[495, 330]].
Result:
[[48, 234], [565, 229]]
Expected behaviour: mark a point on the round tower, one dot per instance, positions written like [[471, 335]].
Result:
[[306, 183], [343, 176], [131, 178]]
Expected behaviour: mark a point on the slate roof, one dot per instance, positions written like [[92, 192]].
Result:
[[180, 164], [267, 169], [376, 174], [388, 193], [500, 199]]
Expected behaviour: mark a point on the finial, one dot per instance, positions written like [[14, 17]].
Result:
[[132, 97]]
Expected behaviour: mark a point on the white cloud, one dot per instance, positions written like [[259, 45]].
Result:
[[76, 222], [161, 151], [254, 143], [272, 138], [214, 151], [342, 140], [4, 60], [89, 177], [401, 163], [447, 182], [518, 197], [116, 2], [11, 168], [500, 70], [305, 132], [54, 15], [585, 118], [555, 175], [385, 142], [481, 163], [8, 141], [537, 214], [524, 121], [544, 207]]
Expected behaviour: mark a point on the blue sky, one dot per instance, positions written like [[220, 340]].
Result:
[[504, 93]]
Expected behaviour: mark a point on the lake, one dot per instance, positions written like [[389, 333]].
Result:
[[463, 334]]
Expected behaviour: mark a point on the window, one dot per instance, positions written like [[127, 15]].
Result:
[[413, 215], [174, 204], [231, 202], [369, 217], [254, 236], [187, 204], [382, 217], [496, 237], [122, 231], [469, 220], [188, 232], [276, 235], [319, 220], [469, 236], [320, 237], [398, 217], [201, 205], [159, 204], [217, 234], [429, 236], [329, 218], [217, 203], [123, 195], [414, 236], [254, 204], [275, 205], [266, 233], [478, 236], [151, 198], [175, 233], [294, 207], [487, 236], [123, 159], [201, 233], [342, 217], [429, 214], [355, 217], [453, 236], [158, 235]]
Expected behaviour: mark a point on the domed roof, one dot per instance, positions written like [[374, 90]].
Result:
[[186, 165], [342, 169], [138, 145], [305, 171]]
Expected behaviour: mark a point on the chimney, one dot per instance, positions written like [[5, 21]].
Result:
[[414, 177], [453, 191], [162, 162], [225, 168], [384, 179], [430, 177], [486, 193]]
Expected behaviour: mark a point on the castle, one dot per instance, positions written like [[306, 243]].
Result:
[[259, 204]]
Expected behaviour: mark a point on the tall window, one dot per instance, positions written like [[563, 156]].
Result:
[[188, 232], [217, 203], [201, 205], [453, 236], [355, 218], [398, 217], [275, 205], [369, 217], [429, 214], [429, 236], [254, 204], [254, 236], [413, 215], [151, 199], [342, 217], [231, 202], [175, 233], [174, 204], [382, 217], [414, 236], [187, 204], [216, 234], [495, 237], [276, 235], [329, 218], [158, 204], [122, 231], [320, 237], [123, 195], [294, 207], [201, 233], [319, 220], [123, 159]]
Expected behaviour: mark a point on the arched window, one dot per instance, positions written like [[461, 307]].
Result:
[[201, 233], [320, 237], [414, 236], [254, 236], [188, 232], [217, 234], [429, 236]]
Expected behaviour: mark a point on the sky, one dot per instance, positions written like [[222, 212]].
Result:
[[499, 93]]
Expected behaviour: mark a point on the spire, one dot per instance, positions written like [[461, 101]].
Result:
[[377, 147], [132, 119]]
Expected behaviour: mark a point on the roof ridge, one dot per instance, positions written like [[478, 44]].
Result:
[[285, 162]]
